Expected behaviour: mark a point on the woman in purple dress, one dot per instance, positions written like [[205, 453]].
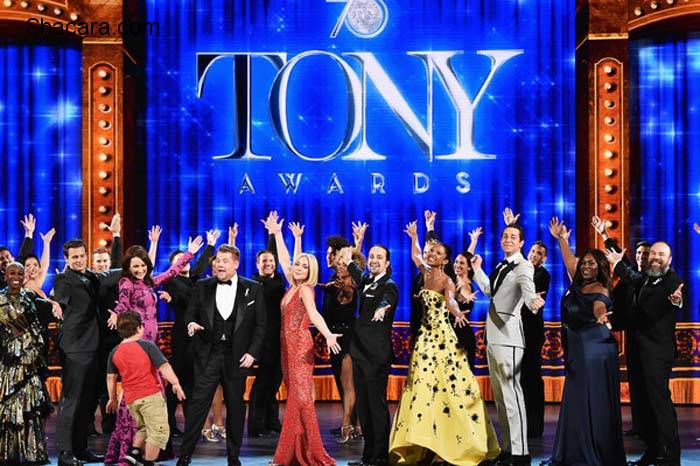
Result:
[[136, 293]]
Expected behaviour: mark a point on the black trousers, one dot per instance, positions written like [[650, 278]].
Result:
[[658, 422], [263, 406], [634, 379], [78, 396], [370, 388], [531, 375], [182, 363], [222, 368]]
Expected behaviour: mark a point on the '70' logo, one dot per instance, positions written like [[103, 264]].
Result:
[[364, 18]]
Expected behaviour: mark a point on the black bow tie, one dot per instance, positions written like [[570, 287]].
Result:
[[227, 282]]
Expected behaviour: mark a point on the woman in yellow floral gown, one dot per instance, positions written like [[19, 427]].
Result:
[[441, 416]]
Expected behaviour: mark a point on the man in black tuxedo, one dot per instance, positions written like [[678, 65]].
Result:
[[623, 300], [371, 350], [263, 415], [77, 290], [533, 328], [177, 293], [26, 248], [226, 318], [658, 296], [102, 260]]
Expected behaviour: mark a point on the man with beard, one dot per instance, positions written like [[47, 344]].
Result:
[[623, 298], [658, 296]]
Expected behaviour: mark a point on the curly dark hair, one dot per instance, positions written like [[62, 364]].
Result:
[[603, 268]]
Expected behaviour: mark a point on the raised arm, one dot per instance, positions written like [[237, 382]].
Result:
[[474, 239], [115, 227], [45, 255], [298, 232], [232, 234], [561, 233], [307, 297], [358, 234], [274, 227], [416, 252], [27, 246], [154, 237], [175, 269]]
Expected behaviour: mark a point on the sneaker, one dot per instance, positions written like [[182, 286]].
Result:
[[134, 457], [210, 436], [220, 431]]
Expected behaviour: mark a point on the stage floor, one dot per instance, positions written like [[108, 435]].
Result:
[[258, 452]]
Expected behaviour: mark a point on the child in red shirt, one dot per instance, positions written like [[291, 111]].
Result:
[[138, 362]]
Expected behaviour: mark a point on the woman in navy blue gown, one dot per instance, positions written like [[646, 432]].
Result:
[[589, 431]]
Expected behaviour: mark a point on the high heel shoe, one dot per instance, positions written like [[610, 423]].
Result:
[[345, 434], [357, 433]]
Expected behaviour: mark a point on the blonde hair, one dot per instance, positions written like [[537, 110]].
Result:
[[312, 279]]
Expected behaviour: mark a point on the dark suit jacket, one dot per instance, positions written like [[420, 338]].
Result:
[[180, 290], [622, 295], [249, 330], [533, 324], [372, 340], [654, 317], [78, 295], [108, 296]]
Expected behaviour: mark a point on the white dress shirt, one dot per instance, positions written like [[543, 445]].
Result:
[[226, 297]]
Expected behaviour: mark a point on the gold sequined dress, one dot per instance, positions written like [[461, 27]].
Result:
[[441, 410], [24, 401]]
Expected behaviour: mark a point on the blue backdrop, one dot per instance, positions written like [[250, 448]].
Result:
[[40, 144], [666, 119], [515, 139]]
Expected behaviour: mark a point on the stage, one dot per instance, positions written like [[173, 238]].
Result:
[[258, 452]]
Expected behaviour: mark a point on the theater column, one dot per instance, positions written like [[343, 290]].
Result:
[[602, 122]]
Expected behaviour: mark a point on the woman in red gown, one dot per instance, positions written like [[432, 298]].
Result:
[[300, 440]]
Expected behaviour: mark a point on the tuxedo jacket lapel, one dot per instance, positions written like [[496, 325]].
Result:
[[211, 305], [239, 307]]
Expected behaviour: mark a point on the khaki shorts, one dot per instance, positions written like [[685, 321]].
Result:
[[151, 416]]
